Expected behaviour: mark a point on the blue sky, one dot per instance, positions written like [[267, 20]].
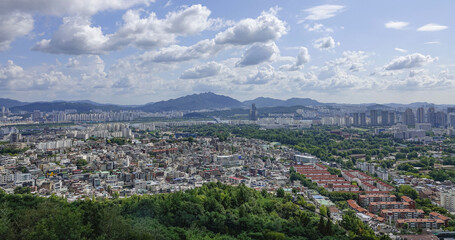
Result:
[[138, 51]]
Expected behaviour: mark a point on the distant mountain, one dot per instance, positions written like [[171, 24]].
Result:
[[193, 102], [209, 101], [6, 102], [272, 102], [378, 107], [411, 105], [265, 102], [61, 106]]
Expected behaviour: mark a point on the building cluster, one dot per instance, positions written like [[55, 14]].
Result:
[[58, 162], [62, 116], [366, 182], [319, 174], [374, 169], [399, 212], [439, 193]]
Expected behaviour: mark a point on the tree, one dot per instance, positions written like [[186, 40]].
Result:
[[280, 193], [329, 227], [321, 226], [22, 190], [323, 210], [408, 191]]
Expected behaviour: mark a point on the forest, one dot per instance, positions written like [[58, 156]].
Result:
[[213, 211]]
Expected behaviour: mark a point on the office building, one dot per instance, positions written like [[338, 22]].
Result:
[[384, 118], [374, 117], [420, 115], [409, 118], [440, 119], [355, 119], [391, 118], [253, 113], [431, 116], [363, 119], [448, 200]]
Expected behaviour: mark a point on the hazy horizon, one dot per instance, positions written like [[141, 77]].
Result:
[[140, 51]]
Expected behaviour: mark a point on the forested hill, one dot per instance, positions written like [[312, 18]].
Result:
[[213, 211]]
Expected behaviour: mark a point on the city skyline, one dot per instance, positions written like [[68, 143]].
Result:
[[134, 52]]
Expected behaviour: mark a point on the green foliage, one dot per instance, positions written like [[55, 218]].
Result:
[[119, 141], [407, 190], [280, 193], [22, 190], [213, 211], [81, 163], [355, 226], [442, 175], [12, 150]]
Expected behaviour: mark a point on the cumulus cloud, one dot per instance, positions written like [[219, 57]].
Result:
[[12, 26], [71, 7], [303, 57], [258, 53], [353, 61], [323, 12], [265, 28], [176, 53], [396, 24], [208, 70], [409, 61], [89, 69], [417, 80], [77, 35], [432, 27], [264, 75], [325, 43], [188, 21], [16, 15], [15, 78]]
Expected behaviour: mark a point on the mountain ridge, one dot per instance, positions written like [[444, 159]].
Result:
[[193, 102]]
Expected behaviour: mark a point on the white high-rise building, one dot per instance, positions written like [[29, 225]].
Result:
[[448, 200]]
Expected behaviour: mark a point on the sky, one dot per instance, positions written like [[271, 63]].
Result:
[[140, 51]]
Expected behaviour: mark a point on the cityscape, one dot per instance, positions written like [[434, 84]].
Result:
[[251, 120]]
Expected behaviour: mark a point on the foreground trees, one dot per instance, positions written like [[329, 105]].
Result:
[[214, 211]]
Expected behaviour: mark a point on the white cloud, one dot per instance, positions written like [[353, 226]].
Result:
[[258, 53], [432, 27], [317, 27], [432, 42], [188, 21], [207, 70], [401, 50], [353, 61], [175, 53], [77, 35], [303, 57], [396, 24], [12, 26], [325, 43], [264, 75], [15, 78], [418, 80], [89, 69], [265, 28], [323, 12], [71, 7], [409, 61]]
